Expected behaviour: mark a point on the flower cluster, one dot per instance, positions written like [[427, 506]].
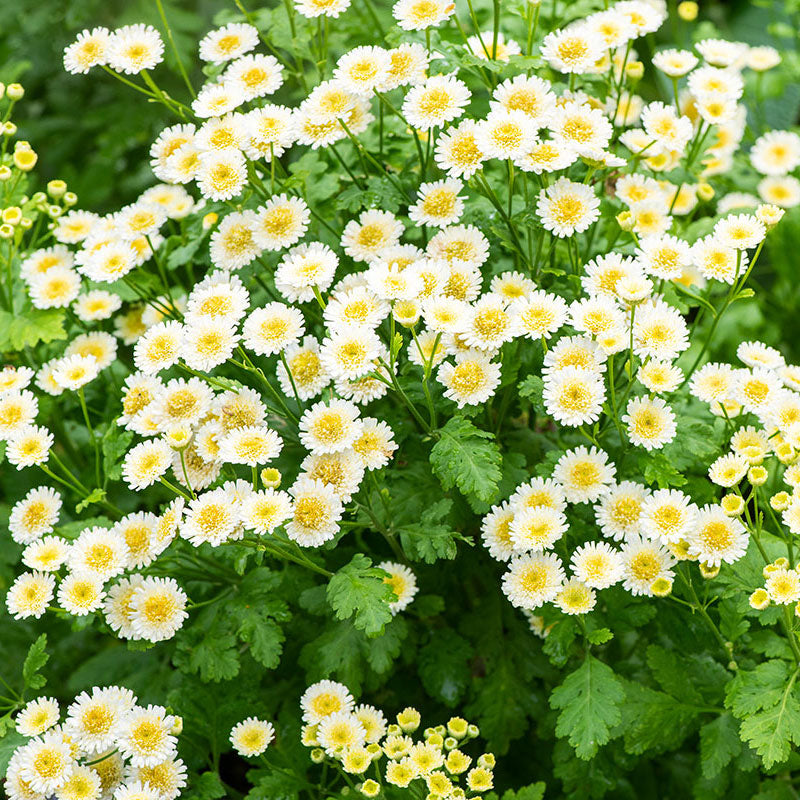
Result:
[[106, 746]]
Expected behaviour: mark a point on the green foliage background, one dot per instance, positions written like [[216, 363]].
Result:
[[660, 724]]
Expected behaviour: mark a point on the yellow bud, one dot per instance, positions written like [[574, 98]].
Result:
[[56, 188], [317, 755], [757, 475], [708, 571], [408, 719], [70, 198], [759, 600], [635, 70], [661, 587], [680, 550], [177, 726], [625, 220], [473, 731], [6, 231], [54, 211], [436, 739], [370, 788], [271, 477], [25, 223], [769, 569], [769, 215], [25, 159], [14, 91], [785, 453], [688, 10], [487, 761], [732, 505], [457, 726], [209, 220], [705, 191], [5, 173], [781, 563], [780, 501], [450, 743], [12, 215], [9, 128]]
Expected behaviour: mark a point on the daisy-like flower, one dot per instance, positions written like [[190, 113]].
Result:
[[597, 565], [580, 127], [651, 422], [157, 609], [374, 231], [776, 153], [585, 475], [644, 562], [30, 594], [536, 528], [145, 463], [667, 515], [208, 342], [273, 328], [661, 123], [98, 551], [47, 554], [762, 58], [90, 49], [350, 353], [221, 174], [56, 288], [438, 204], [80, 594], [281, 222], [403, 583], [324, 698], [358, 306], [29, 446], [458, 150], [574, 396], [575, 351], [93, 720], [96, 304], [408, 66], [37, 716], [659, 331], [417, 15], [575, 597], [166, 778], [740, 231], [533, 579], [728, 470], [73, 372], [471, 380], [362, 70], [251, 736], [46, 763], [757, 389], [330, 427], [145, 737], [780, 190], [306, 373], [340, 732], [618, 512], [539, 492], [664, 256], [439, 100], [488, 325], [572, 50], [539, 315], [265, 509], [251, 445], [659, 377], [133, 48], [505, 134], [566, 207], [717, 261], [233, 243], [462, 247], [228, 42], [675, 63], [783, 586], [210, 518], [717, 537], [35, 515], [375, 444], [496, 532], [316, 513]]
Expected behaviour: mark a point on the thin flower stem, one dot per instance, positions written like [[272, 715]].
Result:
[[175, 50], [95, 443]]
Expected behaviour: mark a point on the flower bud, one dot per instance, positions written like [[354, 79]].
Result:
[[780, 501], [635, 70], [785, 453], [759, 599], [708, 571], [25, 223], [781, 563], [661, 587], [25, 159], [317, 755], [370, 788], [38, 198], [450, 743], [14, 91], [732, 505], [209, 220], [56, 188], [6, 231], [457, 726], [12, 215], [705, 191], [688, 11], [70, 198], [271, 477], [408, 719], [54, 211], [769, 215], [625, 220], [757, 475], [5, 173], [9, 128], [177, 725]]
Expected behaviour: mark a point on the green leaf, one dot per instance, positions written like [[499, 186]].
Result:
[[36, 658], [589, 700], [29, 328], [469, 458], [719, 744], [600, 636], [766, 700], [359, 589], [533, 388], [653, 720], [8, 744], [534, 791], [657, 468], [208, 786], [444, 666], [115, 443], [97, 495], [432, 537], [264, 636], [209, 648]]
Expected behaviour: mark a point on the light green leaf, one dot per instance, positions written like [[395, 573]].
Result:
[[359, 589]]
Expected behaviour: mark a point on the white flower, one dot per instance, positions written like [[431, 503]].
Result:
[[574, 396], [651, 422], [645, 562], [472, 380], [251, 736], [439, 100], [597, 564], [533, 579], [567, 207], [316, 514], [145, 737], [585, 475], [157, 609], [133, 48], [403, 583], [717, 537], [330, 427], [228, 42]]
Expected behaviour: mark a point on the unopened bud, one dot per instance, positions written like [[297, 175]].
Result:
[[688, 11]]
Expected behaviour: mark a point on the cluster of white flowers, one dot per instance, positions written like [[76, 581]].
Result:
[[107, 746]]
